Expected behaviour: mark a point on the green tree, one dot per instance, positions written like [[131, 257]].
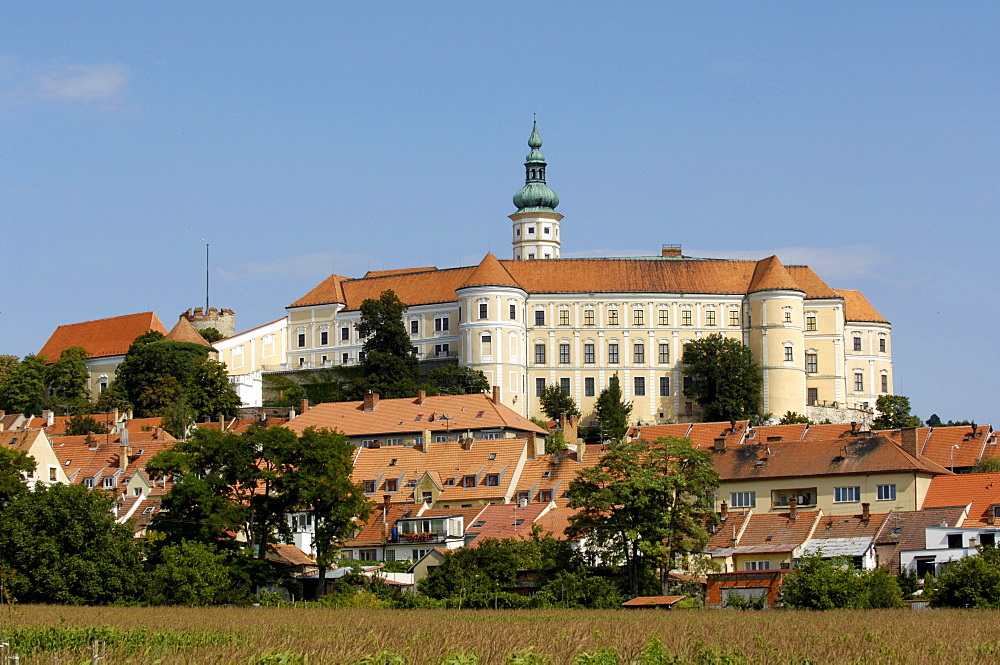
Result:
[[14, 465], [793, 418], [60, 544], [612, 411], [389, 368], [970, 582], [458, 380], [725, 380], [188, 573], [7, 365], [179, 418], [24, 390], [321, 485], [67, 381], [77, 425], [474, 571], [555, 402], [645, 504], [212, 335], [987, 465], [934, 421], [826, 584], [894, 413], [209, 393]]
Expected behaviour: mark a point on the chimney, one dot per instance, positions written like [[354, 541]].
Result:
[[724, 511], [371, 401], [908, 437], [534, 443], [793, 508], [386, 502], [571, 428], [866, 512], [732, 427], [720, 443], [467, 443], [222, 424], [581, 450], [854, 426], [975, 430], [50, 418], [124, 451], [496, 395], [421, 396], [426, 435], [304, 405], [670, 251]]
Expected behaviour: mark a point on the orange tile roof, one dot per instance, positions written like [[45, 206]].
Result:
[[103, 337], [553, 473], [771, 275], [874, 454], [850, 526], [506, 521], [371, 533], [21, 440], [794, 432], [955, 447], [728, 531], [556, 522], [84, 456], [774, 532], [982, 490], [857, 308], [447, 463], [398, 271], [289, 555], [406, 416], [703, 435], [241, 425], [653, 601], [654, 432], [826, 432], [905, 529], [183, 331], [417, 286]]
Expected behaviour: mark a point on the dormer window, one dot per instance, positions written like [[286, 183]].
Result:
[[469, 481]]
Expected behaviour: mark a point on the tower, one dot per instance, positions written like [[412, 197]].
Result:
[[536, 223]]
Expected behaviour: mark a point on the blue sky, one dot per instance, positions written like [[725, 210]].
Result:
[[301, 139]]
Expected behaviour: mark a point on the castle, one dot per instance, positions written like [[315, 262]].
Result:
[[538, 319]]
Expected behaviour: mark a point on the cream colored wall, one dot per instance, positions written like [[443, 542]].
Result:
[[98, 367], [254, 354], [909, 493], [784, 386], [45, 461], [737, 563]]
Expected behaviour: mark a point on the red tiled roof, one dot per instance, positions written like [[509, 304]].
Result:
[[770, 275], [905, 530], [794, 432], [289, 555], [954, 446], [506, 521], [850, 526], [327, 291], [857, 308], [653, 601], [553, 473], [407, 415], [982, 490], [183, 331], [490, 272], [103, 337]]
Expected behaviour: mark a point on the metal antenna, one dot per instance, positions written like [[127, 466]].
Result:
[[206, 278]]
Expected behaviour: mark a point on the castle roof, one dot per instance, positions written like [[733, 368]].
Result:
[[857, 308], [101, 338], [183, 331], [490, 272], [770, 275]]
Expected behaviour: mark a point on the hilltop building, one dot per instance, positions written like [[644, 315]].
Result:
[[538, 319]]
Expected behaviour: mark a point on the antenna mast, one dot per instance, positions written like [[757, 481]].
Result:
[[206, 278]]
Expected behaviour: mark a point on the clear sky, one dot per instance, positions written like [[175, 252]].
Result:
[[304, 138]]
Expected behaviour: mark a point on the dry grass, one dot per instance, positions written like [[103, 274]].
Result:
[[244, 635]]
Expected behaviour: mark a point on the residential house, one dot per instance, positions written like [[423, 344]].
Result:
[[852, 537], [250, 353], [957, 448], [904, 530], [945, 544], [38, 447], [748, 541]]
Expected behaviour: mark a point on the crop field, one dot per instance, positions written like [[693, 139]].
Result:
[[59, 634]]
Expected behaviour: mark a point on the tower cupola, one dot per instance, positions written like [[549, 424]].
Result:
[[536, 223], [535, 196]]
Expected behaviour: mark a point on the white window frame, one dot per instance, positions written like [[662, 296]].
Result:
[[743, 499], [850, 494], [885, 492]]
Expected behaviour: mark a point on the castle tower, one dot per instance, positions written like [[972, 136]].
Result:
[[223, 320], [536, 223]]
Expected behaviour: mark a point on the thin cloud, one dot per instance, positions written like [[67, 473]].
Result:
[[318, 265], [102, 82]]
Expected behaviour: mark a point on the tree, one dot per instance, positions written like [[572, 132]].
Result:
[[612, 411], [645, 504], [60, 544], [7, 365], [321, 484], [894, 413], [987, 465], [14, 465], [458, 380], [970, 582], [209, 393], [793, 418], [825, 584], [77, 425], [934, 421], [212, 335], [24, 390], [67, 381], [555, 402], [179, 418], [725, 380], [389, 368], [188, 573]]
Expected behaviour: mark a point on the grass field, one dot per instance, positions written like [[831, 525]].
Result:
[[50, 634]]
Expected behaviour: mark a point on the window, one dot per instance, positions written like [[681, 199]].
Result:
[[52, 476], [539, 386], [531, 229], [812, 396], [734, 318], [391, 485], [539, 354], [390, 555], [886, 492], [613, 353], [531, 256], [789, 354], [546, 230], [846, 494], [686, 317], [588, 387], [664, 354], [345, 358], [443, 323], [324, 338], [588, 353], [545, 496], [493, 480], [88, 483], [414, 327], [345, 333], [441, 349], [757, 565], [484, 310], [612, 317], [664, 386], [564, 385], [109, 482], [639, 353], [487, 345], [513, 312], [857, 343], [859, 382], [539, 317], [662, 317], [326, 359], [885, 383], [469, 481], [812, 363], [743, 500], [588, 317], [710, 317], [639, 385], [564, 317], [362, 355], [637, 317], [788, 316], [301, 337], [954, 541], [811, 322], [564, 353], [881, 344], [687, 383]]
